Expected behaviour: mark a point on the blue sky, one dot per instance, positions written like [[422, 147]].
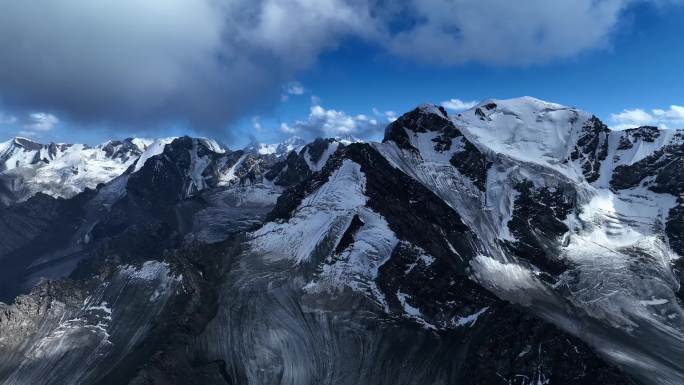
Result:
[[352, 79]]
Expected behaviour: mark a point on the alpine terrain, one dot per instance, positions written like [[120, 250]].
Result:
[[519, 242]]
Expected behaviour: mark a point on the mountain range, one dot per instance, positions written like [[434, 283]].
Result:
[[518, 242]]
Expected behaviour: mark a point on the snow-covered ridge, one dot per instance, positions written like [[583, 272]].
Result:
[[536, 131], [154, 148], [282, 148], [64, 170], [371, 222], [525, 129], [611, 229]]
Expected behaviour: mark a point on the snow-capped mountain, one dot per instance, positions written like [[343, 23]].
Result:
[[61, 170], [278, 149], [64, 170], [518, 242]]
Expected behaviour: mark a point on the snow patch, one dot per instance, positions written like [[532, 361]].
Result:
[[526, 129], [154, 149], [325, 210], [471, 319], [412, 312], [318, 165]]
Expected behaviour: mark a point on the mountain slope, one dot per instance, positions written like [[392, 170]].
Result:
[[61, 170], [519, 242]]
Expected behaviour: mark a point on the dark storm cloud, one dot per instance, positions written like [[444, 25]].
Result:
[[155, 61]]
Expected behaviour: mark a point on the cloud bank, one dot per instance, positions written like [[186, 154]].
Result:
[[672, 117], [208, 62], [204, 62], [330, 123]]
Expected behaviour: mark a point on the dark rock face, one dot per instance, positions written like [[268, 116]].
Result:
[[537, 224], [27, 145], [171, 175], [505, 345], [122, 149], [348, 236], [450, 296], [468, 160], [645, 133], [661, 172], [30, 230], [22, 320], [535, 352], [666, 165], [419, 120], [250, 168], [290, 171], [10, 192], [592, 148], [407, 205], [472, 163], [316, 148], [675, 227]]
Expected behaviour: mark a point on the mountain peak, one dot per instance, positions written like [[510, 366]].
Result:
[[433, 109], [26, 143], [424, 118], [525, 128], [518, 105]]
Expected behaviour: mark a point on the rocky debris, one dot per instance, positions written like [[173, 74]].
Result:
[[23, 322], [32, 229]]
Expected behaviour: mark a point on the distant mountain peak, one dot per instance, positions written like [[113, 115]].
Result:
[[293, 143]]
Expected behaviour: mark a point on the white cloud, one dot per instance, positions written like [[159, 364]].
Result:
[[29, 125], [292, 88], [27, 134], [389, 115], [315, 100], [675, 113], [505, 32], [286, 129], [673, 117], [323, 122], [41, 121], [256, 124], [7, 119], [458, 104]]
